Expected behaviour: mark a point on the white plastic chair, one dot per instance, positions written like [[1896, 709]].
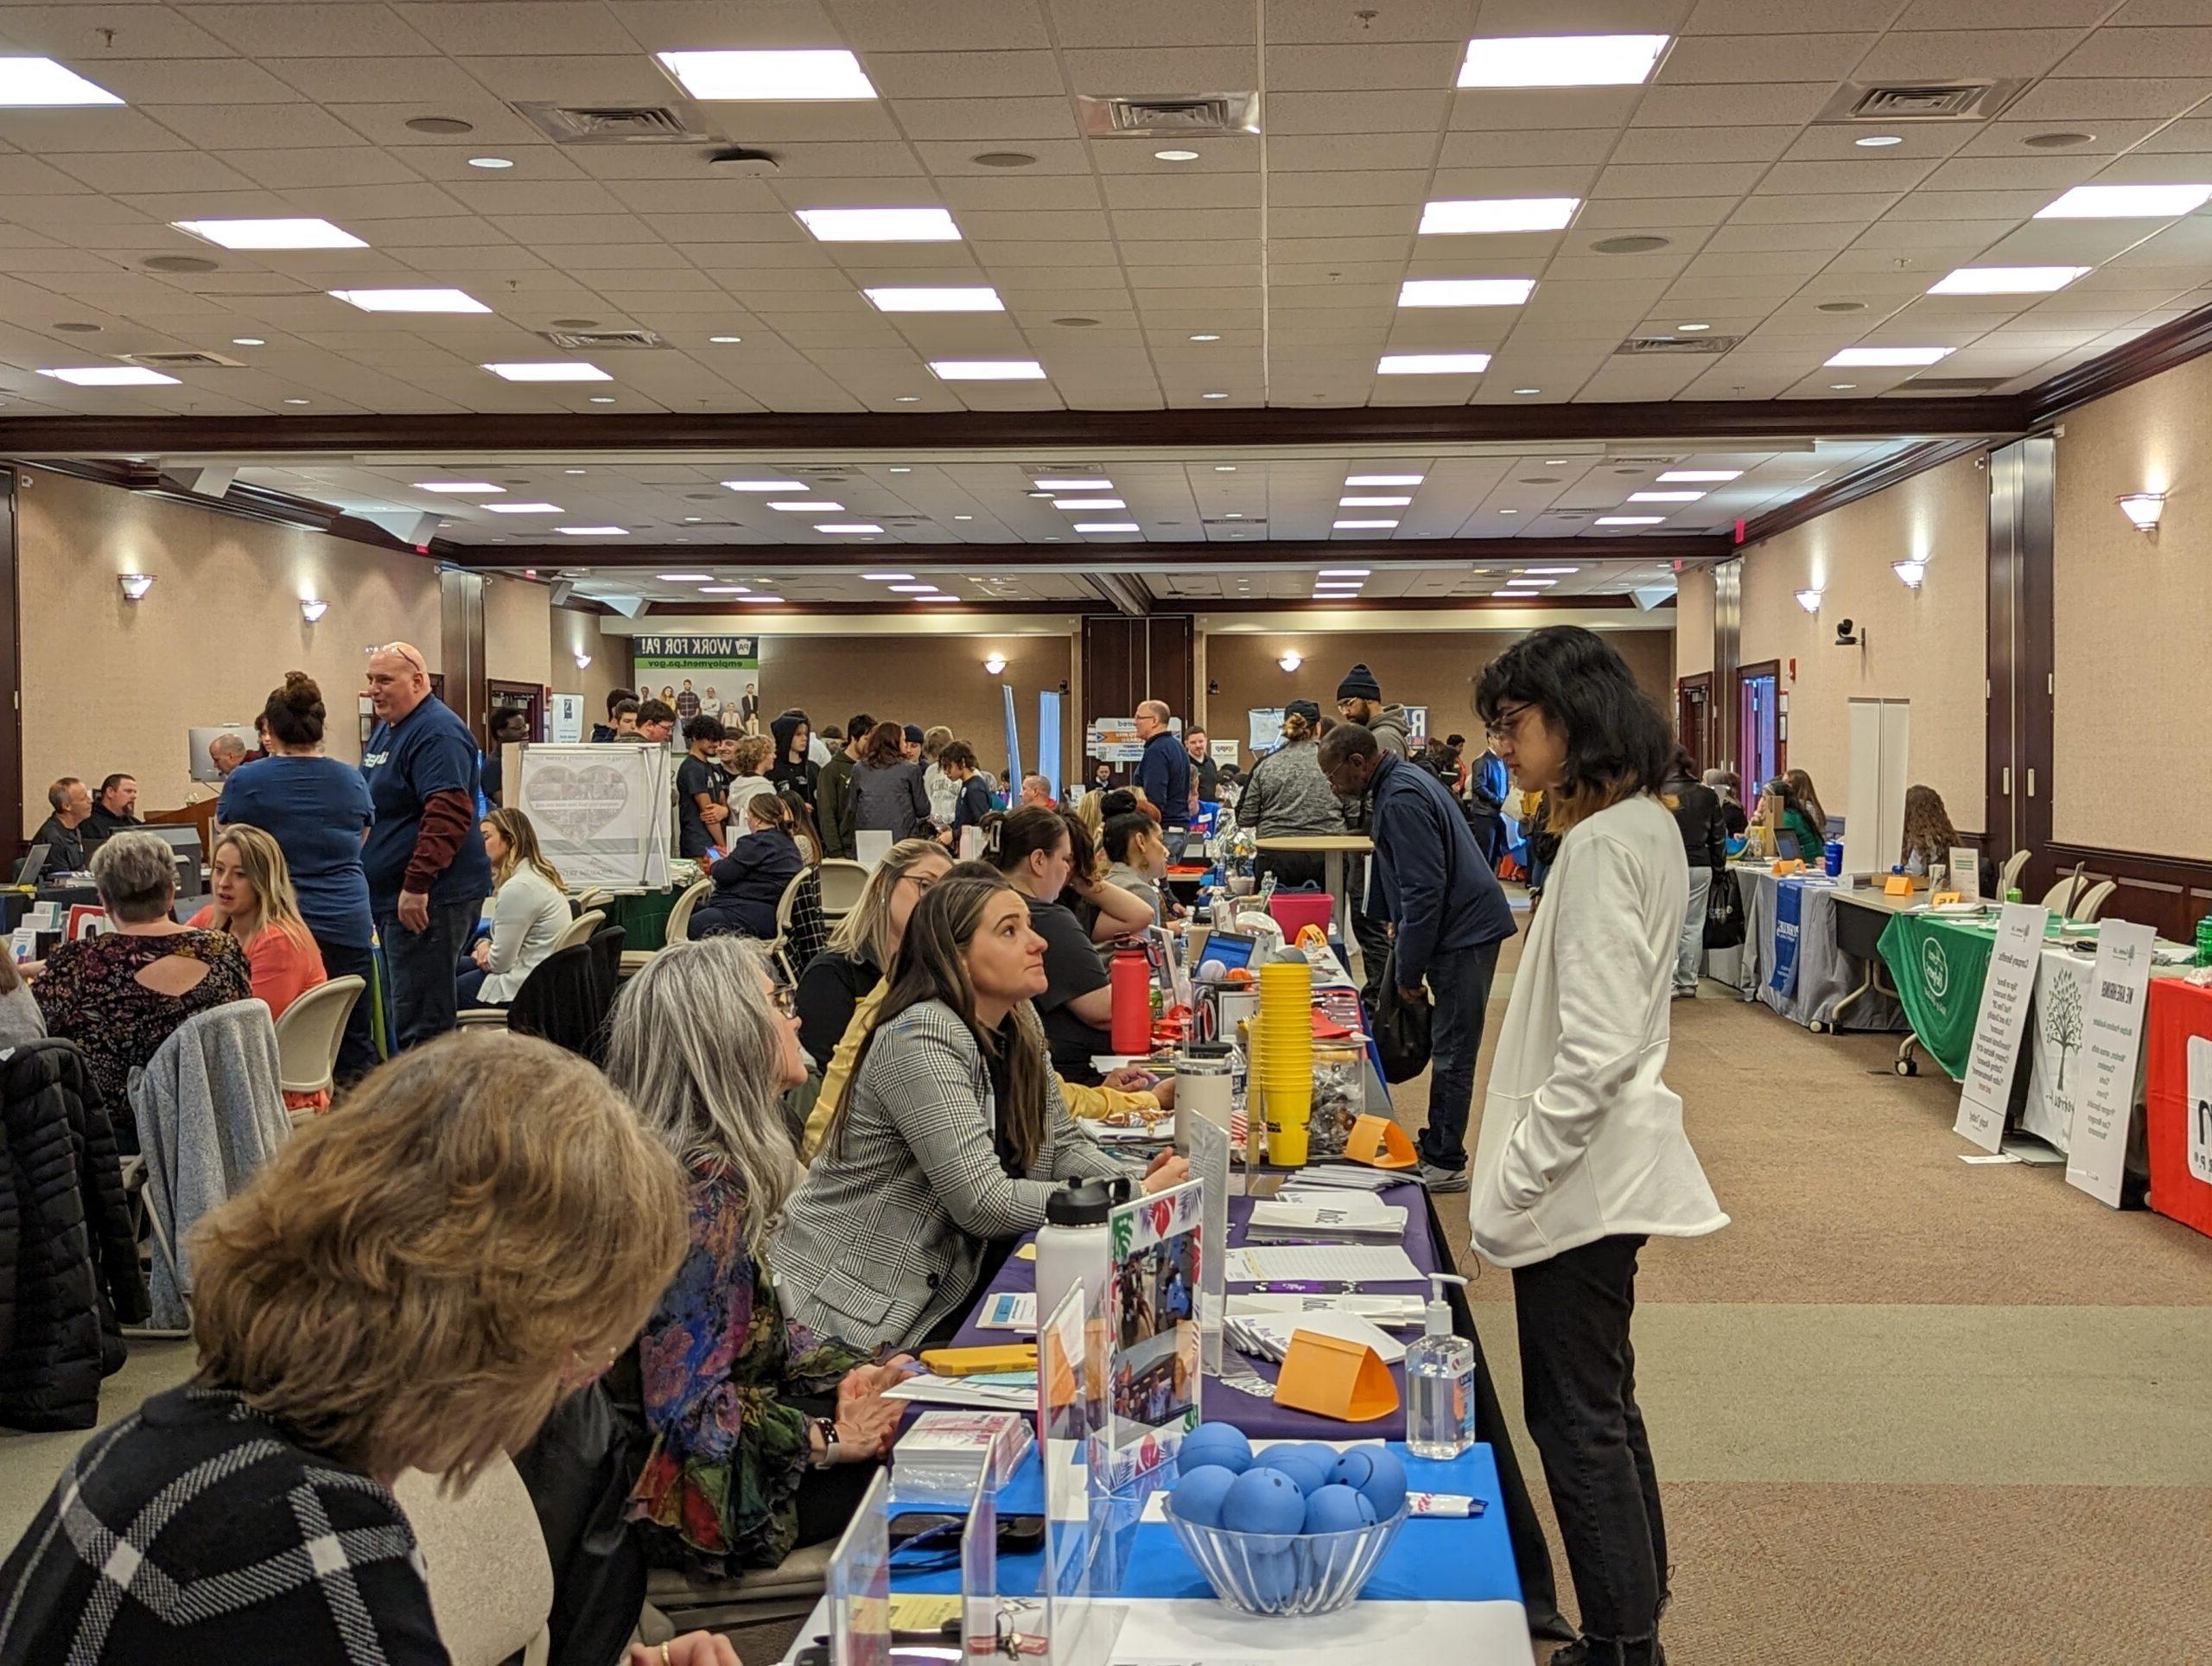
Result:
[[309, 1034], [485, 1560], [2011, 875], [2091, 902], [784, 905], [2062, 898], [678, 926], [842, 881], [579, 931]]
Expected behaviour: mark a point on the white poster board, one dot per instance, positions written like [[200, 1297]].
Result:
[[870, 846], [602, 814], [1881, 758], [1224, 753], [1113, 740], [568, 719], [2120, 988], [1966, 873], [2057, 1070], [1265, 723], [2006, 995], [2200, 1107]]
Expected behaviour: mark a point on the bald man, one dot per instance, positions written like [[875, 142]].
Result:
[[428, 873], [226, 753]]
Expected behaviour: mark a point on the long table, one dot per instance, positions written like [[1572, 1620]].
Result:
[[1834, 989], [2180, 1013]]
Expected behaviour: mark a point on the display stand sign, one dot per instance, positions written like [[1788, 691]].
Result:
[[2007, 995], [2058, 1028], [568, 719], [1152, 1316], [859, 1582], [602, 813], [1264, 725], [1113, 740], [1224, 753], [1071, 1348], [2119, 990], [1966, 873], [994, 1623], [2200, 1107]]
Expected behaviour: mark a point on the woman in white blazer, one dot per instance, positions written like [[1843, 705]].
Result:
[[1582, 1156], [530, 910]]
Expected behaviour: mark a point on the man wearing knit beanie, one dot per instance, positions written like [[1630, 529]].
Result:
[[1359, 700]]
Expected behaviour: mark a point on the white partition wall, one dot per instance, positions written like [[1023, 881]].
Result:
[[1881, 763]]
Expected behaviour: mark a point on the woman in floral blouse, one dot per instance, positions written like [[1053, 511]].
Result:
[[764, 1437]]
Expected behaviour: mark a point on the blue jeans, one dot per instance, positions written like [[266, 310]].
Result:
[[422, 968], [1458, 986]]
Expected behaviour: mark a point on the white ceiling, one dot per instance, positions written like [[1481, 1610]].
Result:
[[1290, 246]]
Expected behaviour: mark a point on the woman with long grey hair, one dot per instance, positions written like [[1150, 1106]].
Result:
[[763, 1434]]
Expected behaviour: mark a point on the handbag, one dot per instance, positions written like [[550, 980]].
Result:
[[1725, 927], [1402, 1027]]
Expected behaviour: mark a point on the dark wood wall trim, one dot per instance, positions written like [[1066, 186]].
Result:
[[2149, 355], [1877, 477], [16, 817], [2170, 893]]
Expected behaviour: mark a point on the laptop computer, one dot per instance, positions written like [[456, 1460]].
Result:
[[28, 870]]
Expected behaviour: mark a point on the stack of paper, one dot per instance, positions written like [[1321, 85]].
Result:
[[1009, 1310], [1343, 1177], [1268, 1336], [1014, 1391], [1352, 1263], [1341, 1214], [1407, 1313], [944, 1454]]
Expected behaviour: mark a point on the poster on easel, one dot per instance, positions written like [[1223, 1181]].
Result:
[[2006, 993], [2112, 1053], [1152, 1315], [603, 814]]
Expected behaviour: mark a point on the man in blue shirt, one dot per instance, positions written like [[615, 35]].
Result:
[[424, 857], [1446, 915], [1164, 772]]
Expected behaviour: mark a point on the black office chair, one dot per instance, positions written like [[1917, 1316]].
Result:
[[606, 946], [560, 1000]]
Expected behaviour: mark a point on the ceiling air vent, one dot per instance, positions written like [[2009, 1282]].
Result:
[[1170, 115], [186, 360], [602, 341], [1690, 344], [1946, 385], [611, 123], [1920, 101]]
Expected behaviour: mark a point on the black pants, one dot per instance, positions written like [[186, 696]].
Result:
[[357, 1052], [1577, 1393], [1291, 868]]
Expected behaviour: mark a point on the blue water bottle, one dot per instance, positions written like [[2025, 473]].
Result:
[[1834, 857]]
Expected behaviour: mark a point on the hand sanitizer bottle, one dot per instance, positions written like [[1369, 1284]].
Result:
[[1440, 1382]]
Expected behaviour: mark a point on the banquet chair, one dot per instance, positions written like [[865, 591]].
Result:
[[778, 946], [309, 1034], [584, 901], [677, 929], [842, 881], [2065, 896], [2091, 902], [560, 1000], [2011, 875], [578, 929], [485, 1561], [606, 958]]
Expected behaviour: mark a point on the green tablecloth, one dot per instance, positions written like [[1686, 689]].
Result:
[[643, 916], [1939, 967]]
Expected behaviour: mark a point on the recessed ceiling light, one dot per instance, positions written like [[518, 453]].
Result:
[[1878, 141], [775, 76], [573, 471], [1003, 159], [914, 589], [1465, 292], [1870, 357], [1089, 503], [111, 376], [490, 162], [1530, 583], [2006, 280], [1073, 486], [1700, 474], [857, 528], [880, 225], [1841, 387], [525, 509], [1175, 156], [958, 518], [1362, 525], [593, 531], [559, 369], [908, 398], [410, 301], [1431, 364], [1690, 329], [41, 84], [760, 485], [940, 597], [2056, 141], [1630, 520], [1213, 396], [809, 506], [248, 341], [1508, 512], [1497, 214], [987, 370], [1205, 335], [2127, 202], [957, 298], [1525, 390], [1345, 572], [296, 402], [1372, 503], [462, 488], [1664, 497], [900, 468], [725, 341], [602, 398], [1554, 462], [685, 578], [1106, 526], [1561, 60], [270, 233], [1234, 514], [889, 578], [1383, 480], [1535, 570]]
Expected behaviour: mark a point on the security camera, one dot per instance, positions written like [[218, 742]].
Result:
[[1845, 637]]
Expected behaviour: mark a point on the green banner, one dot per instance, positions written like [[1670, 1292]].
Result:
[[1939, 967], [695, 653]]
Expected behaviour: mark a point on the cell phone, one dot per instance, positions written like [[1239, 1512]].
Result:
[[1017, 1534]]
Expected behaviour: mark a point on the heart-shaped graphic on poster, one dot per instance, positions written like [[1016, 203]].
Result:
[[577, 803]]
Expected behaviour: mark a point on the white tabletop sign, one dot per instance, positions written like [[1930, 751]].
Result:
[[2112, 1044], [1966, 873], [2006, 997], [2200, 1107]]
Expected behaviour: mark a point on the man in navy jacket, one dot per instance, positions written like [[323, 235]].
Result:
[[1164, 772], [1446, 917]]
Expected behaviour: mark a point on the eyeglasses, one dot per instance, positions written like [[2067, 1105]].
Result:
[[785, 999], [1501, 728]]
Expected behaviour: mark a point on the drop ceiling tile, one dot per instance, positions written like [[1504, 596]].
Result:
[[1027, 190], [1753, 238], [307, 30], [1662, 215], [1672, 145], [1771, 104], [147, 81], [1712, 179], [1960, 53], [1347, 188], [1970, 205], [1856, 177], [2050, 174], [1492, 109], [1357, 67], [1357, 112], [1003, 122], [2059, 98], [1759, 57], [289, 169], [63, 131], [580, 77], [1292, 154], [966, 75], [1524, 148], [161, 170], [2152, 168]]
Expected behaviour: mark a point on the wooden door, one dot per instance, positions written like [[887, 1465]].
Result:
[[1694, 717]]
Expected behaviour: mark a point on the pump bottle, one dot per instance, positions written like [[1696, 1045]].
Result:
[[1440, 1382]]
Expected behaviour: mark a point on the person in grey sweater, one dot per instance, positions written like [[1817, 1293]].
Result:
[[888, 796], [1288, 796], [951, 1135]]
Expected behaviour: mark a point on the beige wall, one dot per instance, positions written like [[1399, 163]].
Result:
[[1930, 647], [1436, 669], [573, 632], [2132, 749], [1693, 623], [518, 632], [111, 685]]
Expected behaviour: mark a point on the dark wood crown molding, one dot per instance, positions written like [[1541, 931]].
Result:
[[1876, 477]]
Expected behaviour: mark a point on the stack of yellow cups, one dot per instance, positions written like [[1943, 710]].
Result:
[[1285, 1072]]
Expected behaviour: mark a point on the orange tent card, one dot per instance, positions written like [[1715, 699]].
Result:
[[1380, 1143], [1335, 1376], [1898, 885]]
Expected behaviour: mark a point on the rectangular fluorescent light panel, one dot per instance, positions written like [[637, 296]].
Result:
[[1073, 486], [468, 488], [1362, 525], [1373, 503], [889, 578], [1876, 357], [731, 590], [1554, 569], [1465, 292], [112, 376], [410, 301], [2127, 202], [1715, 474], [525, 509], [2006, 280], [1383, 480], [593, 531], [1344, 572], [1630, 520], [980, 298], [1498, 215], [1089, 503], [1106, 526], [812, 506], [269, 233], [765, 485], [1664, 497], [781, 77], [987, 370], [685, 578], [1431, 364], [1561, 60], [849, 526], [41, 84], [914, 589], [880, 224], [559, 369]]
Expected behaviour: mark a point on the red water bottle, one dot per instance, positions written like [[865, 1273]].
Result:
[[1130, 978]]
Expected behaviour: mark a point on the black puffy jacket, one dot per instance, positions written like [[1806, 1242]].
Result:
[[69, 1272]]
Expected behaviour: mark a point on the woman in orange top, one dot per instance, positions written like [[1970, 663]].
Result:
[[254, 902]]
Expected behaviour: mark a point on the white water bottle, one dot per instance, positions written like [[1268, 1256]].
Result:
[[1071, 1245]]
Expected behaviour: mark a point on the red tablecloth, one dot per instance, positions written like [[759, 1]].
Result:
[[2178, 1011]]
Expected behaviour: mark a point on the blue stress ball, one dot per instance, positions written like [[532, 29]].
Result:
[[1385, 1486], [1199, 1494], [1337, 1509], [1217, 1444], [1354, 1468], [1300, 1468], [1274, 1576], [1263, 1501], [1319, 1450]]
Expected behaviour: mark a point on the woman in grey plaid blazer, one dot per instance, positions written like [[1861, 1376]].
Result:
[[951, 1136]]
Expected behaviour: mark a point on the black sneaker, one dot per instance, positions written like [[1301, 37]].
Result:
[[1604, 1651]]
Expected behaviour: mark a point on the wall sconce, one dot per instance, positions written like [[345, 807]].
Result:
[[583, 660], [995, 663], [2144, 508], [1912, 572], [1810, 601], [1291, 660], [134, 585], [311, 610]]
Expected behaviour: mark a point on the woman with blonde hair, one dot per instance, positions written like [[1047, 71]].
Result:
[[253, 901], [530, 910], [862, 946], [412, 1282], [748, 760], [764, 1437]]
